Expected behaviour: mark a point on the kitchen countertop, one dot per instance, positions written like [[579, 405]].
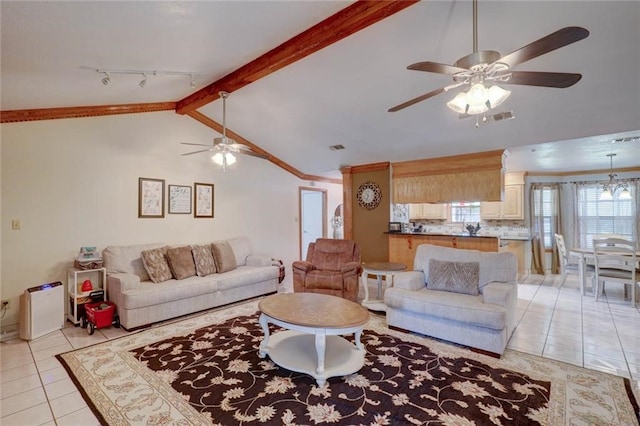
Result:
[[462, 234]]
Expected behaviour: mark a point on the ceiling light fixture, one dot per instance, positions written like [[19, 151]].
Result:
[[145, 73], [478, 99], [610, 188]]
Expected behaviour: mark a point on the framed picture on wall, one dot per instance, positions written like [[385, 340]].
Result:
[[150, 198], [203, 200], [179, 199]]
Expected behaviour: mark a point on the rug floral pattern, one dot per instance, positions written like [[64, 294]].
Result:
[[217, 370], [122, 390]]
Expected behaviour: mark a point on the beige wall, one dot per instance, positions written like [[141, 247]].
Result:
[[74, 182]]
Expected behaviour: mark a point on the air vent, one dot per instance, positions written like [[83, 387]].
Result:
[[336, 147], [627, 139], [503, 116]]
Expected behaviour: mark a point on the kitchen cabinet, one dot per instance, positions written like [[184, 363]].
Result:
[[402, 247], [513, 205], [427, 211], [517, 248]]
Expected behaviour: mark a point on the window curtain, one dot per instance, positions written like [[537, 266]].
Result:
[[546, 220]]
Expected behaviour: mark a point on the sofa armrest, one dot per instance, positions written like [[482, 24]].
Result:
[[255, 260], [350, 267], [410, 280], [121, 282], [496, 293], [303, 266]]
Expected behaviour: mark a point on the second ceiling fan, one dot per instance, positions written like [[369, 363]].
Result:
[[482, 70]]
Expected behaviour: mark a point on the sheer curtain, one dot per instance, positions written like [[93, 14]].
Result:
[[546, 220]]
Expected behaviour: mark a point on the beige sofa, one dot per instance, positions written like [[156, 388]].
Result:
[[484, 321], [141, 302]]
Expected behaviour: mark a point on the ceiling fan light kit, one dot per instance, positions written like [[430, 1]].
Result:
[[224, 148], [481, 70]]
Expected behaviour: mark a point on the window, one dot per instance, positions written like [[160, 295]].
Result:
[[465, 212], [544, 212], [595, 216]]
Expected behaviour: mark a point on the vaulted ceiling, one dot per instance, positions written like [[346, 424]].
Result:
[[341, 93]]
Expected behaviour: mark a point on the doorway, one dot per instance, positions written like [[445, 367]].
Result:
[[313, 217]]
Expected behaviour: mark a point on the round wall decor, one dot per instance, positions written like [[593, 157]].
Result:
[[369, 195]]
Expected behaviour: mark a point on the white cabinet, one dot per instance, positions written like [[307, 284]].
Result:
[[427, 211], [513, 205], [77, 297]]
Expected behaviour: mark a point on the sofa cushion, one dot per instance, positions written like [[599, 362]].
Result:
[[181, 262], [241, 247], [456, 277], [461, 308], [127, 259], [203, 258], [224, 257], [156, 264]]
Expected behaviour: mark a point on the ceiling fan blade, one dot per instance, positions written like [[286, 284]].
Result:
[[196, 144], [416, 100], [244, 149], [436, 67], [545, 79], [553, 41], [253, 154], [198, 152]]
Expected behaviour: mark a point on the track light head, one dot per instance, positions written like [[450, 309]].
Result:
[[143, 83], [106, 80]]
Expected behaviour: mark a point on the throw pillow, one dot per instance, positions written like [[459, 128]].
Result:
[[156, 265], [205, 263], [181, 262], [456, 277], [225, 259]]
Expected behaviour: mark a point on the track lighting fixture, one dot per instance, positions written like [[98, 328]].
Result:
[[145, 73]]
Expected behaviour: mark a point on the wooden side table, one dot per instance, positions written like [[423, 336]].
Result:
[[379, 269]]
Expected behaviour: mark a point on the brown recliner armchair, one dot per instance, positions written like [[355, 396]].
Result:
[[332, 267]]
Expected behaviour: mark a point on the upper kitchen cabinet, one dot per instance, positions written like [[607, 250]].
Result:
[[427, 211], [513, 205]]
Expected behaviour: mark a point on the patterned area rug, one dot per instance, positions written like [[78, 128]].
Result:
[[205, 370]]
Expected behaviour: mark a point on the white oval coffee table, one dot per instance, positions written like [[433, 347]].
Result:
[[312, 341]]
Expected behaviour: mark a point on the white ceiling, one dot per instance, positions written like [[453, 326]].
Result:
[[340, 95]]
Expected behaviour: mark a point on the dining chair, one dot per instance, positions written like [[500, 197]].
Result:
[[568, 265], [616, 261]]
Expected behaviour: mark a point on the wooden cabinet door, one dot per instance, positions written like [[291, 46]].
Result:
[[402, 249], [415, 211], [491, 209], [434, 211], [513, 205]]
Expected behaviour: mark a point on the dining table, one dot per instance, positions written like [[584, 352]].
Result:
[[583, 254]]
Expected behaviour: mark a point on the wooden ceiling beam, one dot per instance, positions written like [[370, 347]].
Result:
[[19, 115], [349, 20], [275, 160]]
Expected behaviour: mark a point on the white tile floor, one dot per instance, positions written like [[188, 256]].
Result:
[[554, 322]]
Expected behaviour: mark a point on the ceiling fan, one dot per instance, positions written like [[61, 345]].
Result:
[[481, 71], [225, 148]]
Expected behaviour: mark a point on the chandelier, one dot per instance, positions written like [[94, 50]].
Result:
[[610, 188]]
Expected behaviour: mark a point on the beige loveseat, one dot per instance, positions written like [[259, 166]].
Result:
[[437, 298], [237, 275]]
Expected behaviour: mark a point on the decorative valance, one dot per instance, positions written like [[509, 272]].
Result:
[[469, 177]]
